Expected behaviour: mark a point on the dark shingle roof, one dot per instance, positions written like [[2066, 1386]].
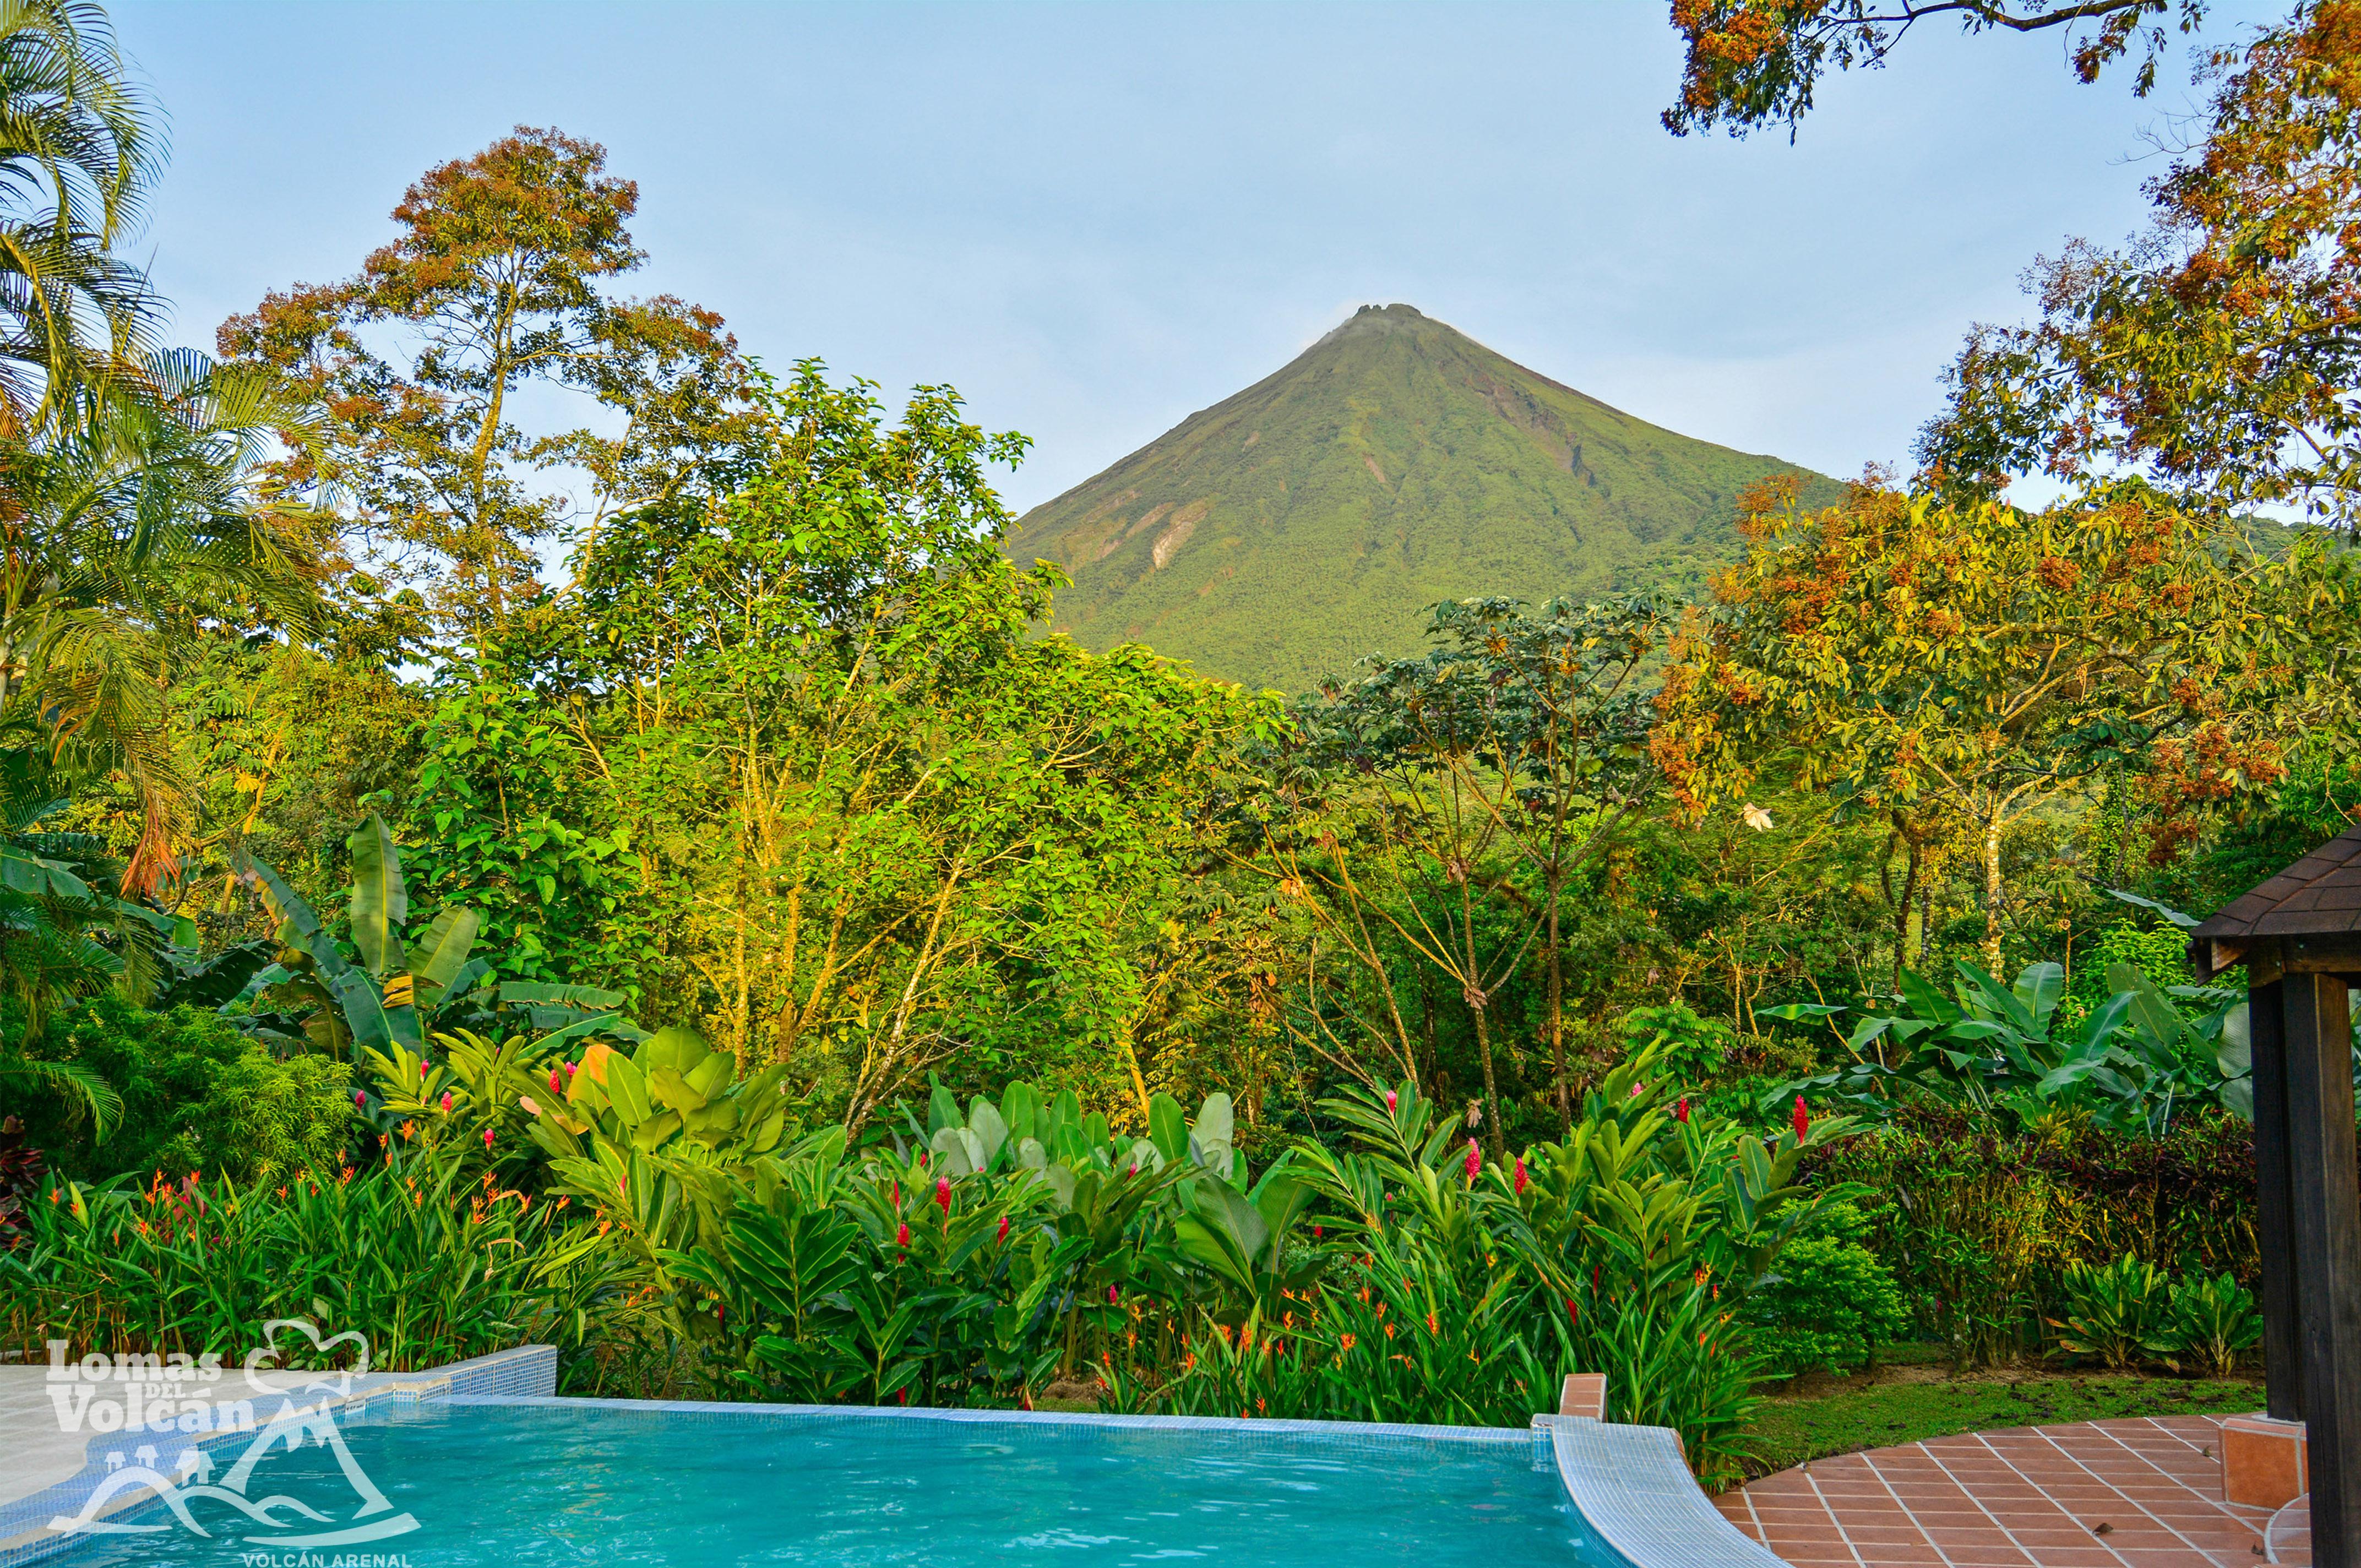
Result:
[[2319, 895]]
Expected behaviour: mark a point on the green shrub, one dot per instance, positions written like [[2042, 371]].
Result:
[[2211, 1323], [1830, 1302], [2114, 1310], [197, 1096]]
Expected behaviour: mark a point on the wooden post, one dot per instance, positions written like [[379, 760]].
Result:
[[2315, 1017], [2273, 1205]]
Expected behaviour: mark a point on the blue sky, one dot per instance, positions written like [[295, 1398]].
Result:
[[1094, 219]]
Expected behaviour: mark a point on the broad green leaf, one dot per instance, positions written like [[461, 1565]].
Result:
[[380, 902]]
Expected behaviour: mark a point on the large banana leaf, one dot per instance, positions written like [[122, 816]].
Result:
[[380, 901]]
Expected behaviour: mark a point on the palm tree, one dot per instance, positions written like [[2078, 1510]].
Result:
[[145, 513], [79, 147]]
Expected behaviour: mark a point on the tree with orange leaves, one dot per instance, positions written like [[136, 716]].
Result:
[[2220, 353], [500, 280], [1753, 62], [1972, 664]]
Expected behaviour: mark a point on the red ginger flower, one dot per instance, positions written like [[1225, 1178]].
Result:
[[446, 1100], [902, 1236], [1521, 1176], [1803, 1119], [943, 1195], [1390, 1102], [1681, 1110], [1475, 1160], [487, 1140], [1003, 1228]]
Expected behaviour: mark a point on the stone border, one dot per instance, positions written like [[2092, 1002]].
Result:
[[1632, 1487], [524, 1371]]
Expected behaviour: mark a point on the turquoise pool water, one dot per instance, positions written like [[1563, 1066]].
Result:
[[561, 1484]]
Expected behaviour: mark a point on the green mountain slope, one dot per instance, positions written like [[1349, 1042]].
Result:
[[1311, 519]]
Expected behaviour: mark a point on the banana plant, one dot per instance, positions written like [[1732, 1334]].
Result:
[[398, 993], [1249, 1239]]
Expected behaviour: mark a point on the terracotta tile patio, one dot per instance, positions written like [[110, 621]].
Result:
[[2123, 1493]]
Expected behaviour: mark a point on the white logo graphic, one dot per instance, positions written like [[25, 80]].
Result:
[[139, 1395]]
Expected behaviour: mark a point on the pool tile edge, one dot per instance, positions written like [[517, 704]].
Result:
[[1634, 1489]]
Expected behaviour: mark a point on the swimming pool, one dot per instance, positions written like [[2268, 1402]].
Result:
[[580, 1482]]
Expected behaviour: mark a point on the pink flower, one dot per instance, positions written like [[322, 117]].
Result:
[[1390, 1102], [902, 1236], [1475, 1160], [555, 1086], [446, 1100], [487, 1140], [1003, 1229], [1681, 1110], [569, 1069], [360, 1099], [943, 1195], [922, 1159], [1131, 1171], [1521, 1176], [1635, 1089], [422, 1068], [1112, 1293], [1803, 1119]]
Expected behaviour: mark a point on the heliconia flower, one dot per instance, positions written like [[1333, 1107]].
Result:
[[1475, 1160], [487, 1140], [1003, 1228], [902, 1236], [943, 1194], [1521, 1176], [1803, 1119], [1391, 1101], [1681, 1110], [446, 1100]]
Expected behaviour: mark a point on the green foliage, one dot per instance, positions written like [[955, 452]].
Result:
[[431, 1267], [197, 1097], [1384, 463], [399, 991], [1829, 1302], [2213, 1323], [2113, 1311]]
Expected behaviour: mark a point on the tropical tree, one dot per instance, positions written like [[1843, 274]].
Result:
[[2220, 352], [144, 514], [500, 278], [1756, 62], [1980, 662], [78, 145]]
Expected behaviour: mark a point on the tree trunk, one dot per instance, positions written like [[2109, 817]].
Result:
[[1475, 1000], [1557, 1021], [1992, 895]]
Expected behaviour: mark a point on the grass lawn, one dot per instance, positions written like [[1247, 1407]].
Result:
[[1902, 1404]]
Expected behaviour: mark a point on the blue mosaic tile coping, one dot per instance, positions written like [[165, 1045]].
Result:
[[524, 1372], [1632, 1487]]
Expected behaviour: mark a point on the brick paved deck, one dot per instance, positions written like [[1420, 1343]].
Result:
[[2122, 1494]]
